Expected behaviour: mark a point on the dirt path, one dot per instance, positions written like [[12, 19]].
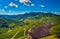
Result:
[[15, 35]]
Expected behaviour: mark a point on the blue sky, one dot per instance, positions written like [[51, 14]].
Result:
[[22, 6]]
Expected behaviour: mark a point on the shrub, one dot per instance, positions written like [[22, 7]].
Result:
[[55, 30]]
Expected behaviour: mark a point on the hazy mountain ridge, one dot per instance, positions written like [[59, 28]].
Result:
[[26, 15]]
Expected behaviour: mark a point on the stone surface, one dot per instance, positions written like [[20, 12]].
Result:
[[39, 31]]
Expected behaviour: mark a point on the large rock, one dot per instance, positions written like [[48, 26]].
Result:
[[39, 31]]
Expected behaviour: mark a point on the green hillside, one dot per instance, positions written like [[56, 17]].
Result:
[[10, 27]]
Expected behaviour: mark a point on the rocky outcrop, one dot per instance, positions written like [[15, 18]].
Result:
[[39, 31]]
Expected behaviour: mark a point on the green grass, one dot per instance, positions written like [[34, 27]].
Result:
[[3, 30], [9, 34], [49, 37], [6, 33]]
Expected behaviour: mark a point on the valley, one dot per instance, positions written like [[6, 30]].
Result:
[[16, 26]]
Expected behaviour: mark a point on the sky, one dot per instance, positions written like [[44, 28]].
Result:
[[11, 7]]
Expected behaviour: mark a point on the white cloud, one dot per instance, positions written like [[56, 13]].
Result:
[[16, 6], [6, 6], [55, 12], [26, 2], [13, 4], [32, 4], [42, 5], [2, 11]]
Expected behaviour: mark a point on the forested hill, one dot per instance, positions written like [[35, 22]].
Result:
[[28, 15], [12, 24]]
